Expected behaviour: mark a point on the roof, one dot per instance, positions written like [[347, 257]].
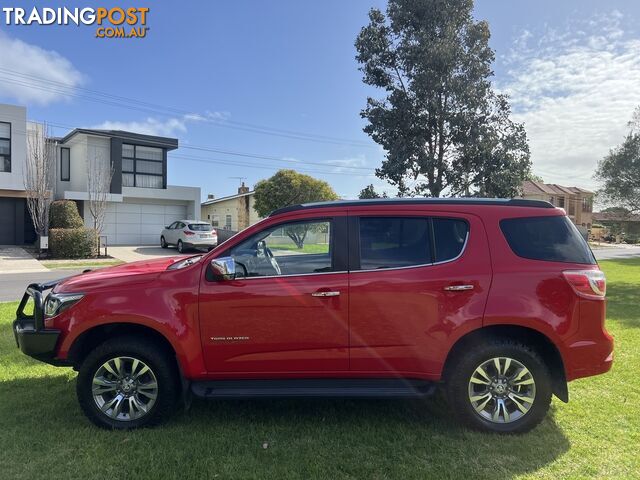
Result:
[[164, 142], [504, 202], [230, 197], [615, 217], [529, 187]]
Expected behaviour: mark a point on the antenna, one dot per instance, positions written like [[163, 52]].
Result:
[[240, 179]]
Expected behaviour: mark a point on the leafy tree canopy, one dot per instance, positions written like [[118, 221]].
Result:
[[370, 192], [441, 124], [288, 187], [619, 171]]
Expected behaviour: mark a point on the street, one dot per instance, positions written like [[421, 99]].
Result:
[[616, 252], [13, 285]]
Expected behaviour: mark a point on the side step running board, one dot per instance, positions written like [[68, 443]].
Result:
[[352, 388]]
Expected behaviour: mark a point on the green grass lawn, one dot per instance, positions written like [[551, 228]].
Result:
[[77, 264], [597, 435], [306, 248]]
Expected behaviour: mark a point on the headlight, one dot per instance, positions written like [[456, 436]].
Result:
[[58, 302]]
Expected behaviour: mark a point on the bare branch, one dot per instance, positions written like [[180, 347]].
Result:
[[99, 175], [38, 175]]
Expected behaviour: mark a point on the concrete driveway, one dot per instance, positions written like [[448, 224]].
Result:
[[16, 260], [134, 253]]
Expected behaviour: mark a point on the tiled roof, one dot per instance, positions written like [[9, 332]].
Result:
[[230, 197], [530, 187]]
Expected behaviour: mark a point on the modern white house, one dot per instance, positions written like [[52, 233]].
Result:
[[16, 226], [140, 201]]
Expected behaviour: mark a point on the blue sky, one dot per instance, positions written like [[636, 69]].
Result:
[[221, 74]]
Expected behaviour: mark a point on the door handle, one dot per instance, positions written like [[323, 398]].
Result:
[[458, 288], [325, 294]]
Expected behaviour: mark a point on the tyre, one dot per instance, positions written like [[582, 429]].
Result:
[[127, 383], [500, 386], [180, 246], [163, 242]]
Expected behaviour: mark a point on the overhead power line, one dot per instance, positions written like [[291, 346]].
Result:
[[300, 166], [44, 84]]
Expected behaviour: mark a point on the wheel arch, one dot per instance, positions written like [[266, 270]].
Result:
[[538, 340], [92, 337]]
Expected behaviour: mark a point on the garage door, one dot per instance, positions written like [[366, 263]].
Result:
[[139, 223], [7, 221]]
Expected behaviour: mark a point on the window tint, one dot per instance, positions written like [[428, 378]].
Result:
[[200, 227], [5, 147], [450, 236], [394, 242], [142, 166], [290, 249], [553, 239], [65, 164]]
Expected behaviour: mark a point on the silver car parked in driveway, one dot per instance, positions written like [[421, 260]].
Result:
[[185, 234]]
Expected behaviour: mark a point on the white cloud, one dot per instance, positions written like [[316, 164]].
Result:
[[575, 90], [30, 74], [169, 127]]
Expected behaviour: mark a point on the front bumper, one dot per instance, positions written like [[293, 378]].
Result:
[[31, 337]]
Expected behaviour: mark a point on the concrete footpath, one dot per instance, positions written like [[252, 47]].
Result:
[[17, 260]]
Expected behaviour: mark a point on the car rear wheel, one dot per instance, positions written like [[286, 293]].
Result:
[[127, 383], [163, 242], [180, 246], [502, 386]]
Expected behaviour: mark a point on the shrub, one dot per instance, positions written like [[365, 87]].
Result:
[[64, 214], [631, 238], [72, 242]]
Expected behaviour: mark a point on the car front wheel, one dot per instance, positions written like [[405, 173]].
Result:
[[127, 383], [180, 246], [163, 242], [502, 386]]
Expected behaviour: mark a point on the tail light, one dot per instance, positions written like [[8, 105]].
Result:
[[587, 283], [188, 232], [214, 233]]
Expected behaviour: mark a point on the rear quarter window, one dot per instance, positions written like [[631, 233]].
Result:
[[552, 238], [450, 236]]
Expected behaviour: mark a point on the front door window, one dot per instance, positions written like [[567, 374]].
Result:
[[295, 248]]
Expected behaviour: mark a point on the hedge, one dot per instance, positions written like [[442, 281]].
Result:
[[64, 214], [72, 242]]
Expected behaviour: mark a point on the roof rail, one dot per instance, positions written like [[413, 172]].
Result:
[[505, 202]]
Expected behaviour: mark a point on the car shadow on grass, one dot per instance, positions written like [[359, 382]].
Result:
[[622, 303], [285, 438]]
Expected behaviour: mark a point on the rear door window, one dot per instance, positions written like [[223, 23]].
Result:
[[391, 242], [552, 238]]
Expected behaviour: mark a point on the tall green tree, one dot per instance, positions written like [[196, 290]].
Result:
[[619, 171], [288, 187], [443, 127]]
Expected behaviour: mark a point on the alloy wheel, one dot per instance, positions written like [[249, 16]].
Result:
[[124, 388], [502, 390]]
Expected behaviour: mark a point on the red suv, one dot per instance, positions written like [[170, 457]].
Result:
[[500, 301]]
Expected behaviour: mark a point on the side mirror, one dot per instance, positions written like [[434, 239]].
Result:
[[166, 228], [224, 268]]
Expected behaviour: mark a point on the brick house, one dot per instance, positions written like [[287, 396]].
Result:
[[576, 201]]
